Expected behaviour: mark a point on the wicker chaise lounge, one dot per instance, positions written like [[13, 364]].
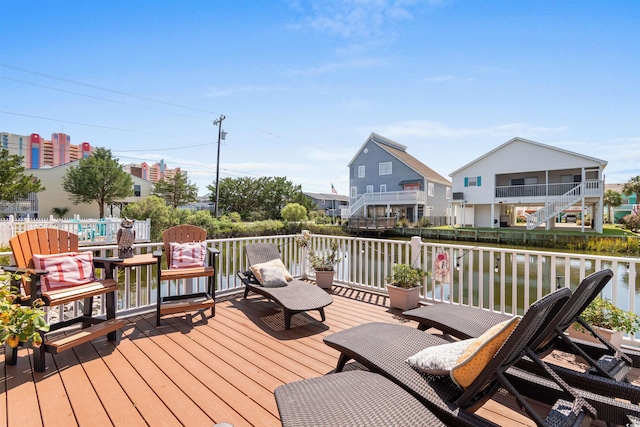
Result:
[[296, 297], [354, 398], [384, 348], [469, 322]]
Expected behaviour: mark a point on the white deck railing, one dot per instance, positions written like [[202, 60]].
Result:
[[498, 279]]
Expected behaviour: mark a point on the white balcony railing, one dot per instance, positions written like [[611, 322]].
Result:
[[410, 197], [498, 279], [592, 188]]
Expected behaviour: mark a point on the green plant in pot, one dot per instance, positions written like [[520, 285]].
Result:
[[404, 286], [611, 320], [602, 313], [19, 323], [323, 262]]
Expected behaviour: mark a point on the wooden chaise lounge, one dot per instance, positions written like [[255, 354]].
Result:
[[296, 297]]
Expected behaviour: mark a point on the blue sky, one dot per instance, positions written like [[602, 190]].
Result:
[[303, 83]]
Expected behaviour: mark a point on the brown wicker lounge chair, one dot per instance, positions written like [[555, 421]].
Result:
[[296, 297], [469, 322], [354, 398], [383, 348]]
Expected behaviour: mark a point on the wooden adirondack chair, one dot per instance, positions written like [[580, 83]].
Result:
[[51, 241], [178, 240]]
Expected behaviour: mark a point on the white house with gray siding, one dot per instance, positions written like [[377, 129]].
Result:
[[385, 180]]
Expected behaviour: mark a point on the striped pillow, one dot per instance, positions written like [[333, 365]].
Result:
[[65, 270], [184, 255]]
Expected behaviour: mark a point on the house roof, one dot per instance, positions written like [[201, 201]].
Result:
[[328, 196], [399, 151], [518, 139]]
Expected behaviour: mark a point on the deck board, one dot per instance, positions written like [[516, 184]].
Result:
[[196, 371]]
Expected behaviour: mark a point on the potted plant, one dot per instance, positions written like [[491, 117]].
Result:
[[609, 321], [323, 263], [404, 286], [19, 323]]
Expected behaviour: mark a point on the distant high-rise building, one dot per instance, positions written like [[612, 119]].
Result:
[[38, 152], [153, 173]]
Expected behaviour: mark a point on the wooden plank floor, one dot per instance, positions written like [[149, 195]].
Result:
[[195, 372]]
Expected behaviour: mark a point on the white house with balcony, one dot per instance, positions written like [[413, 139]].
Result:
[[535, 180], [386, 181]]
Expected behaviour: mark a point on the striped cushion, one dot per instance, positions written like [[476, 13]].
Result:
[[184, 255], [65, 270]]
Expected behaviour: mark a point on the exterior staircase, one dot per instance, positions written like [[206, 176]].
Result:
[[554, 206], [357, 209]]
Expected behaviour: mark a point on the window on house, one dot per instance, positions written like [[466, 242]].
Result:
[[448, 195], [472, 181], [369, 188], [431, 189], [136, 190], [361, 171], [383, 188], [322, 202], [354, 192], [384, 168]]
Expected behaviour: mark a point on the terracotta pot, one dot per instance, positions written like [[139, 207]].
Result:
[[324, 279], [614, 337], [403, 298]]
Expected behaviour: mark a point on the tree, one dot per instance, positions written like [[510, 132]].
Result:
[[14, 184], [294, 212], [176, 191], [98, 178], [154, 208], [633, 186], [612, 199], [258, 198], [59, 212]]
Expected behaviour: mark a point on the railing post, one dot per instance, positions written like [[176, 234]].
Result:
[[416, 250]]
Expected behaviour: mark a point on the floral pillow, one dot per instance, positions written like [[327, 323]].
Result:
[[185, 255], [438, 360], [65, 270]]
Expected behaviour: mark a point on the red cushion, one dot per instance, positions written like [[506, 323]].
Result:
[[65, 270], [185, 255]]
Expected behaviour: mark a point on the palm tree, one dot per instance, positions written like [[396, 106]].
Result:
[[633, 186], [612, 199], [59, 212]]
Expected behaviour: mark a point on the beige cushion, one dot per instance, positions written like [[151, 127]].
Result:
[[273, 277], [255, 269], [477, 356], [438, 360], [65, 270]]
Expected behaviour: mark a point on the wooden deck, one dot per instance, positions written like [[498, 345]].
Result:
[[194, 373]]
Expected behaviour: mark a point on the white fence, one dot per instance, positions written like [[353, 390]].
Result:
[[90, 231]]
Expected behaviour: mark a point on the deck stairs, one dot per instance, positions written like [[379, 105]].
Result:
[[357, 209], [554, 206]]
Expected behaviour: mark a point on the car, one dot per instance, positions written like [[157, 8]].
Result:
[[570, 218]]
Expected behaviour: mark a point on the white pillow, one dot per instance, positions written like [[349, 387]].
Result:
[[439, 359], [185, 255], [273, 277]]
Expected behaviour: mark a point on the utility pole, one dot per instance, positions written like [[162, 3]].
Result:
[[219, 123]]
